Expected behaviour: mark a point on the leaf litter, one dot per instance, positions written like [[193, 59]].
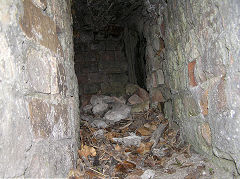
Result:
[[134, 148]]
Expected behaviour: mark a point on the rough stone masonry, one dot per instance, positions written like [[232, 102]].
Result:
[[192, 68], [192, 57], [38, 89]]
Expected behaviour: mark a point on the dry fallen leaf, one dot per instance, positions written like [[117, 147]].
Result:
[[117, 148], [111, 135], [75, 174], [86, 151], [125, 167], [144, 131], [144, 148], [93, 173]]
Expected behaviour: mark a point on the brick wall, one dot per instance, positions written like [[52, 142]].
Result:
[[100, 64]]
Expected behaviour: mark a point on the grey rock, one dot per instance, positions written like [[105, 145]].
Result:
[[131, 88], [121, 99], [159, 152], [156, 44], [131, 140], [99, 133], [99, 123], [87, 118], [87, 108], [135, 99], [148, 174], [96, 99], [160, 77], [100, 108], [118, 112]]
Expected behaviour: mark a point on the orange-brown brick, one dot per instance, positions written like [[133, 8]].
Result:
[[191, 67]]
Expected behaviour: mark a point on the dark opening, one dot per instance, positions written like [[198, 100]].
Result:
[[108, 53]]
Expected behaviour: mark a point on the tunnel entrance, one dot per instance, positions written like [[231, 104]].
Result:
[[108, 53], [158, 82], [127, 125]]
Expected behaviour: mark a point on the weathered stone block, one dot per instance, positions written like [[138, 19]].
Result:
[[40, 3], [39, 162], [62, 155], [206, 133], [204, 102], [39, 71], [40, 27], [48, 119], [160, 77], [51, 160], [156, 96], [41, 122], [150, 52], [156, 44], [191, 105], [156, 63], [61, 79], [222, 98]]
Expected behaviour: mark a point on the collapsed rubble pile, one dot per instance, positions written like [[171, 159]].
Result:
[[126, 139]]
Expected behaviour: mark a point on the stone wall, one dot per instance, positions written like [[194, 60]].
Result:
[[202, 66], [38, 89], [151, 25], [193, 70], [101, 65]]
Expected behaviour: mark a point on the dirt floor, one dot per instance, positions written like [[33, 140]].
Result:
[[139, 146]]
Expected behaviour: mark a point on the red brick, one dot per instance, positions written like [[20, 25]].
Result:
[[82, 78], [162, 27], [80, 56], [97, 77], [154, 80], [119, 55], [191, 67], [107, 56]]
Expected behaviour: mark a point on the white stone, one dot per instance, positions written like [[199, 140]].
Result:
[[131, 140], [118, 112], [160, 77], [99, 124], [148, 174], [100, 108], [156, 44]]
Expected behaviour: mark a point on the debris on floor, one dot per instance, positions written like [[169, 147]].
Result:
[[119, 142]]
